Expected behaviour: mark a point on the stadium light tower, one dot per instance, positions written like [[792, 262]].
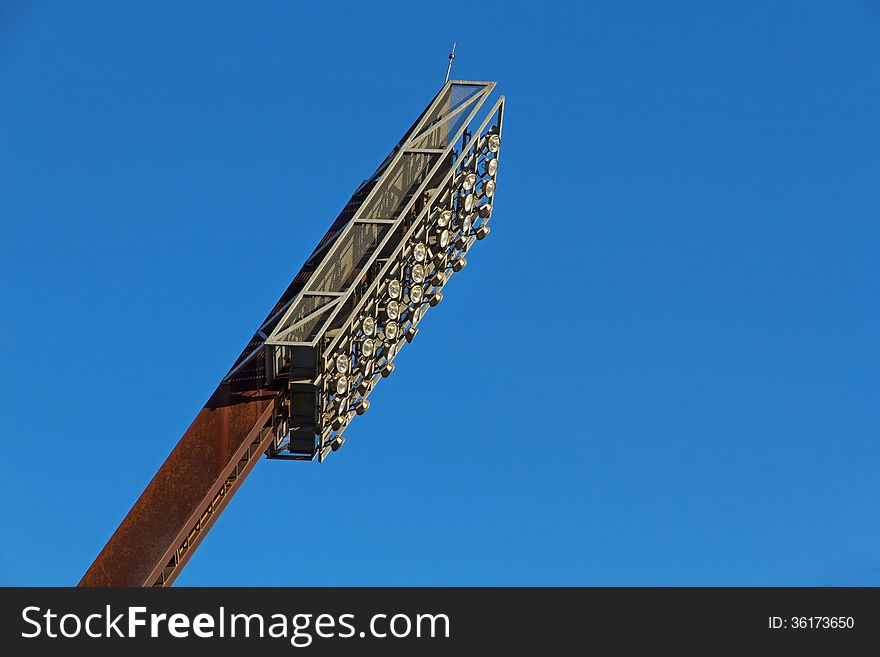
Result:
[[310, 367]]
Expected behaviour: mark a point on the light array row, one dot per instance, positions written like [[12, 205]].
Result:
[[435, 250]]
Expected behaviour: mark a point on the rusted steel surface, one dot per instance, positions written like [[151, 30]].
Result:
[[229, 481], [188, 478]]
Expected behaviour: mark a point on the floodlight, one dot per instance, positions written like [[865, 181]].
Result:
[[391, 331]]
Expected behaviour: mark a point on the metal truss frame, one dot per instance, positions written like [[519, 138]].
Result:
[[420, 130], [333, 412]]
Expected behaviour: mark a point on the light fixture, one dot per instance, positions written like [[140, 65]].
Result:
[[489, 188], [368, 348], [444, 218], [436, 298], [494, 142], [369, 326], [482, 231], [492, 166], [336, 443], [459, 263], [419, 252], [411, 333], [342, 385], [391, 331], [418, 273], [394, 289], [416, 293], [469, 181], [362, 407], [342, 363], [387, 369], [393, 310], [485, 210]]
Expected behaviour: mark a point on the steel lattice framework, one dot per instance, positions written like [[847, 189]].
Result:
[[309, 369]]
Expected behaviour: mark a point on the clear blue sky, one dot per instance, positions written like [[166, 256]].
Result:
[[661, 368]]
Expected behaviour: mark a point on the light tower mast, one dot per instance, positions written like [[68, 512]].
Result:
[[310, 367]]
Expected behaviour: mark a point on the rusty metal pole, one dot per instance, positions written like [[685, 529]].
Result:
[[187, 493]]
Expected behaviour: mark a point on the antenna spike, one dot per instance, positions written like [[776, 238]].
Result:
[[451, 59]]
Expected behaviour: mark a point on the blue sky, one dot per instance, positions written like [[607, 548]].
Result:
[[661, 368]]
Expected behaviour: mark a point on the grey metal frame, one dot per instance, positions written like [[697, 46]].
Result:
[[415, 133], [420, 132], [343, 341]]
